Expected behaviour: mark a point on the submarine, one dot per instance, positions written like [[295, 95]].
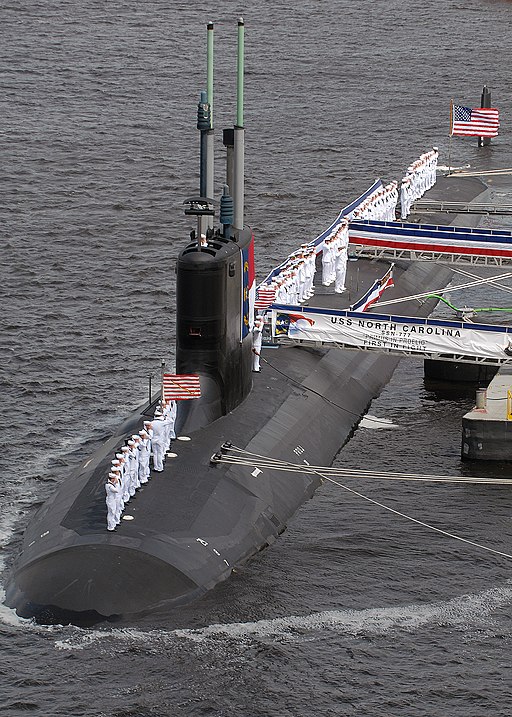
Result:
[[199, 520]]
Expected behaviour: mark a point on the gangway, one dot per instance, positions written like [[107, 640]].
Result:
[[467, 246], [437, 339]]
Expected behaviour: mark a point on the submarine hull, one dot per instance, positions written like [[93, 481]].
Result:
[[190, 526]]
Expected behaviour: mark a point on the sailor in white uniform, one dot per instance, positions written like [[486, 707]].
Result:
[[136, 451], [327, 262], [341, 268], [257, 337], [144, 451], [116, 470], [170, 416], [173, 412], [158, 442], [123, 482], [148, 426], [111, 489], [125, 450]]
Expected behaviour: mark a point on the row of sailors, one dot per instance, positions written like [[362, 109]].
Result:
[[295, 281], [379, 206], [335, 256], [420, 176], [130, 468]]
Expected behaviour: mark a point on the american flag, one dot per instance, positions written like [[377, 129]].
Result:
[[477, 122], [178, 387], [265, 296], [374, 292]]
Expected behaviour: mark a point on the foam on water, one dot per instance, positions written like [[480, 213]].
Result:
[[464, 611], [374, 423]]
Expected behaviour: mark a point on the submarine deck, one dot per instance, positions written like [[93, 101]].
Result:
[[304, 402]]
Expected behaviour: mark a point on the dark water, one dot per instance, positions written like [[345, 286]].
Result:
[[355, 610]]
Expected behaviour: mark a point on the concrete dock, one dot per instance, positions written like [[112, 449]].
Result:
[[487, 430]]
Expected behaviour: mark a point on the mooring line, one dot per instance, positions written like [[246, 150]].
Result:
[[328, 478]]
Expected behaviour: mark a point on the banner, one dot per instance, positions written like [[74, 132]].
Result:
[[393, 333], [428, 237]]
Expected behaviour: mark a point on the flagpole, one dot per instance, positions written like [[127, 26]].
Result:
[[450, 140], [162, 372]]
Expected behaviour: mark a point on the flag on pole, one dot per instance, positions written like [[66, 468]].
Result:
[[374, 292], [265, 297], [178, 387], [476, 122]]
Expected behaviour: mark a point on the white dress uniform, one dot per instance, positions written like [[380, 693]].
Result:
[[116, 471], [136, 450], [126, 473], [327, 262], [111, 489], [256, 343], [341, 269], [173, 412], [117, 468], [144, 451], [157, 443], [170, 418], [132, 467]]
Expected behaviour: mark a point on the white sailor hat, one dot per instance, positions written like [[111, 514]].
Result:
[[115, 461], [125, 448], [143, 433], [147, 423], [112, 475], [135, 437], [131, 443]]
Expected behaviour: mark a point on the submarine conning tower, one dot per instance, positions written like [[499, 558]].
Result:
[[212, 332], [215, 272]]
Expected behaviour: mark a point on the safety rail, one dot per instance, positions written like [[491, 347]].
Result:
[[429, 205]]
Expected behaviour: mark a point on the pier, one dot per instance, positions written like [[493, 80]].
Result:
[[487, 428]]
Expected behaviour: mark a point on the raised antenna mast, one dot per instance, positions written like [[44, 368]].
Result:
[[238, 168], [210, 133]]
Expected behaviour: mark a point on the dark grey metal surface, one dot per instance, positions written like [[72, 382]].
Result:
[[195, 522]]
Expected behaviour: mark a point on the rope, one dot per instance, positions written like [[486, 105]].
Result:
[[420, 522], [443, 290], [392, 510], [258, 461], [316, 393], [490, 172], [507, 289]]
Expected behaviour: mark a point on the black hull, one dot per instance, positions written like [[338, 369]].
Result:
[[197, 521]]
